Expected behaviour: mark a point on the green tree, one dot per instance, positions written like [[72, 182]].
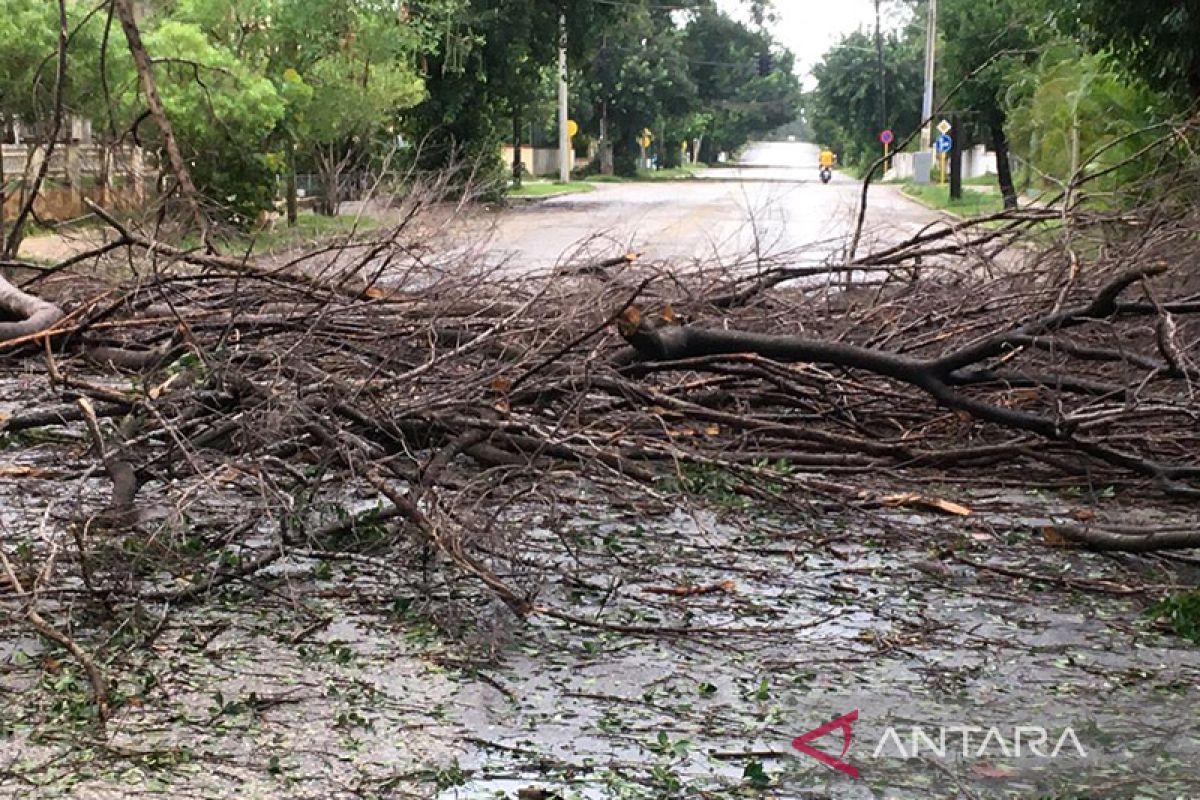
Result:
[[844, 106], [222, 113], [520, 49], [1074, 107], [1159, 39], [984, 43], [28, 32], [345, 70], [735, 101], [489, 74], [359, 92], [639, 78]]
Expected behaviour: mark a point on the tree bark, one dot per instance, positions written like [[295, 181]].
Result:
[[517, 165], [1128, 541], [3, 178], [13, 242], [290, 146], [1003, 165], [330, 166], [937, 376], [145, 70]]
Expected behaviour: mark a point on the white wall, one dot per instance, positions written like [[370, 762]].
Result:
[[977, 161], [537, 160]]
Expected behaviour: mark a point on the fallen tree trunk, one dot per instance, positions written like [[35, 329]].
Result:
[[937, 376], [34, 314], [1128, 541]]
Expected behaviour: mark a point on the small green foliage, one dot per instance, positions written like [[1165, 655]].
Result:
[[187, 361], [611, 721], [449, 776], [664, 746], [1182, 613], [348, 720], [230, 708], [706, 689], [712, 483], [401, 607], [756, 776], [665, 781], [341, 653], [70, 700]]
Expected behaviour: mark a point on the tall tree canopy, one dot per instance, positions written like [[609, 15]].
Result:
[[844, 106], [1160, 39]]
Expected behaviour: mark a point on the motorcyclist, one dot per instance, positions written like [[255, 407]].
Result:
[[826, 160]]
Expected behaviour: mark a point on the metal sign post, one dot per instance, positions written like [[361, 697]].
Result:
[[886, 137], [942, 146]]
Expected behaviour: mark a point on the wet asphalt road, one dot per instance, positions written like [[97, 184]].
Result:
[[773, 201]]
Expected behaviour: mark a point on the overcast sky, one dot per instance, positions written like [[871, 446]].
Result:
[[809, 27]]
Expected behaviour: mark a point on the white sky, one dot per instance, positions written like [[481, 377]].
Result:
[[809, 27]]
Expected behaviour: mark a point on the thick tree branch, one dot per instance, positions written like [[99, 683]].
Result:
[[145, 68]]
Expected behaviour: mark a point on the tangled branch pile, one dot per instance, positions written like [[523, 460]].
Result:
[[368, 377], [386, 393]]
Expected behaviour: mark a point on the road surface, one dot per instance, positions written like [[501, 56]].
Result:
[[773, 201]]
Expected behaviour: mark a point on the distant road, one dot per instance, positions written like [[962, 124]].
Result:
[[774, 199]]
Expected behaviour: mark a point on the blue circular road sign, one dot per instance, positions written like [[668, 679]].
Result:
[[942, 145]]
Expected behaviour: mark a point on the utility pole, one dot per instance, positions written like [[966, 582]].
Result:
[[927, 99], [564, 140], [883, 118]]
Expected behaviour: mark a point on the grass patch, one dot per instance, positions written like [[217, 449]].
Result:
[[277, 235], [670, 173], [681, 173], [983, 180], [1181, 612], [550, 188], [972, 204]]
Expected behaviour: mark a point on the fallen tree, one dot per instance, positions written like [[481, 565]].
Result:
[[375, 393], [382, 357]]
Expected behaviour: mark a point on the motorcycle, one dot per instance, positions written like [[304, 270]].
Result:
[[826, 174]]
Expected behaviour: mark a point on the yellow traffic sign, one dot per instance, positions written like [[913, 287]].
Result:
[[572, 128], [944, 127]]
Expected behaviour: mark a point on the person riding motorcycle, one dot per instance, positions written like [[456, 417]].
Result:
[[826, 160]]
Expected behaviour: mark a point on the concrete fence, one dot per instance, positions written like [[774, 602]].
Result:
[[977, 162], [542, 161], [111, 176]]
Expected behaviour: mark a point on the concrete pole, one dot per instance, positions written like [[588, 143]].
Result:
[[564, 141], [883, 120], [927, 99]]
